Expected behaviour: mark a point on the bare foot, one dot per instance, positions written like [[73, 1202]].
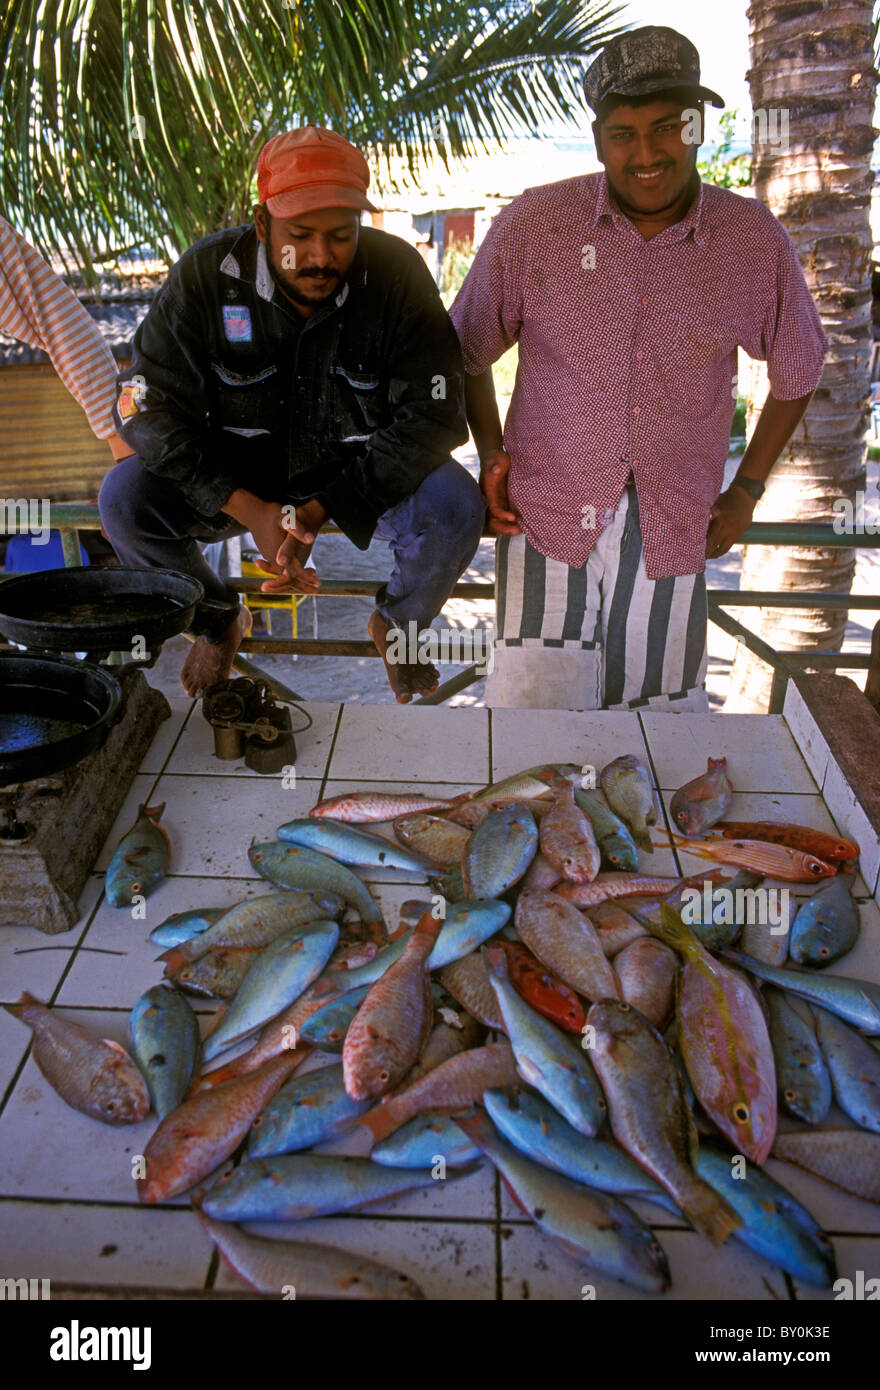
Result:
[[406, 678], [209, 662]]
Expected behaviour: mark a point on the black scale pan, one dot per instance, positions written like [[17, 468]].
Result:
[[55, 710]]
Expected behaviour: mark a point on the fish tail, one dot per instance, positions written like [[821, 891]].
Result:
[[381, 1121], [174, 959], [670, 929], [709, 1214], [428, 924], [153, 813], [26, 1001], [496, 960]]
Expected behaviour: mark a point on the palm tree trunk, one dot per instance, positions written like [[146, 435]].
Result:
[[815, 62]]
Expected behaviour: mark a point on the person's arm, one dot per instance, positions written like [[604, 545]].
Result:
[[425, 377], [487, 314], [732, 513], [485, 424], [792, 342], [39, 309]]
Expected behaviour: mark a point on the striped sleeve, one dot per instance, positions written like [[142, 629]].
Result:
[[39, 309]]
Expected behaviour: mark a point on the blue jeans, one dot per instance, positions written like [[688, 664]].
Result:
[[433, 535]]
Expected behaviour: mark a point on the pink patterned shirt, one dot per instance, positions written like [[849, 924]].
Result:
[[627, 356]]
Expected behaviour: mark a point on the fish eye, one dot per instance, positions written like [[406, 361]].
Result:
[[224, 1177], [256, 856], [135, 888], [740, 1112], [257, 1122], [624, 1008], [815, 868], [158, 1060], [789, 1095], [824, 951]]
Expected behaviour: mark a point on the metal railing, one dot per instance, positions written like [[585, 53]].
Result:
[[70, 518]]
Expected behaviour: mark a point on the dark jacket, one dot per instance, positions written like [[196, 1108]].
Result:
[[229, 387]]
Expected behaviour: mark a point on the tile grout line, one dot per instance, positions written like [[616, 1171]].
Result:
[[659, 795], [325, 778]]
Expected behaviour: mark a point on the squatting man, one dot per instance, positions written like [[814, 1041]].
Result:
[[296, 370]]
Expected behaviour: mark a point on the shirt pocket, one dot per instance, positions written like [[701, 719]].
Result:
[[695, 354], [358, 403], [245, 402]]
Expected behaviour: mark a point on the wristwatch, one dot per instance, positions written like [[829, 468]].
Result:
[[751, 486]]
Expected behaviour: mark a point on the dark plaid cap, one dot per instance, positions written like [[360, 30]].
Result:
[[645, 60]]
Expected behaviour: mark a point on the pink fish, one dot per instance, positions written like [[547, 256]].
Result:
[[777, 861], [567, 838], [196, 1137], [725, 1043], [360, 808], [704, 800], [606, 886], [390, 1029], [91, 1074]]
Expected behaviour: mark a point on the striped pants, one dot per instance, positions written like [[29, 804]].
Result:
[[600, 637]]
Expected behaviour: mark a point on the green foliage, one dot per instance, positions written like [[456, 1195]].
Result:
[[138, 122], [717, 166], [454, 267]]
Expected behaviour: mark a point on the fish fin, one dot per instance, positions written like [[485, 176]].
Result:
[[461, 798], [709, 1214], [496, 960], [25, 1001], [381, 1121], [174, 960], [428, 924]]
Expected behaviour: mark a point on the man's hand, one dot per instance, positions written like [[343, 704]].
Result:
[[729, 517], [494, 468], [300, 527]]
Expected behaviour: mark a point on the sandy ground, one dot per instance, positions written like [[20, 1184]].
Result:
[[333, 678]]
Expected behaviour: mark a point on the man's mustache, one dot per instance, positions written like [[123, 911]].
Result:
[[317, 274]]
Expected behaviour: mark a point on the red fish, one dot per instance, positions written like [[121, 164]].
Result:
[[704, 800], [775, 861], [542, 989], [831, 847]]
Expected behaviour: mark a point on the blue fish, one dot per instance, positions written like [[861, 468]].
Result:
[[306, 1111], [292, 866], [165, 1045], [139, 861], [183, 926], [349, 845], [773, 1223], [294, 1187], [327, 1027], [537, 1130], [801, 1074], [827, 925], [613, 836], [499, 851], [424, 1140], [545, 1057]]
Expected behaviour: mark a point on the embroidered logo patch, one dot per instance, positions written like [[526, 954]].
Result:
[[237, 323], [127, 404]]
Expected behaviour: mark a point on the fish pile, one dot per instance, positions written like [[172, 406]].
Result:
[[599, 1035]]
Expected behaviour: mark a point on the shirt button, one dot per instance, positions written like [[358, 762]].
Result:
[[637, 410], [644, 301], [639, 356]]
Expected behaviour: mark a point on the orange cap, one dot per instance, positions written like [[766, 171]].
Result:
[[310, 168]]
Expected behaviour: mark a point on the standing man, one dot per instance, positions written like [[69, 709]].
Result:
[[628, 292], [290, 372]]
